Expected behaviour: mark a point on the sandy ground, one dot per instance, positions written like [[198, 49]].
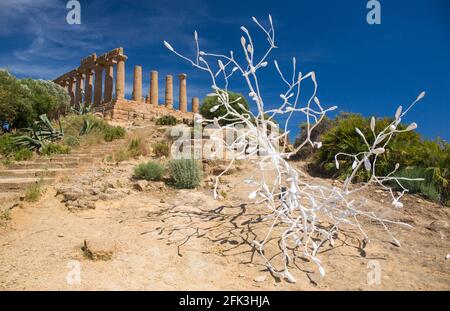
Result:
[[185, 240]]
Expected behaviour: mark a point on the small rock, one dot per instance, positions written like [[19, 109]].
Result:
[[99, 249], [71, 196], [160, 185], [140, 185], [93, 198], [162, 201], [448, 256], [110, 191], [85, 181], [438, 226], [260, 279], [241, 275], [80, 204], [93, 191], [110, 185]]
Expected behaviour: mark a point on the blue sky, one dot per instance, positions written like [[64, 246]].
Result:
[[363, 68]]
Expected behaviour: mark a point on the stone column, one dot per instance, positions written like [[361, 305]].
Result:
[[169, 92], [109, 80], [120, 78], [72, 91], [154, 88], [195, 105], [137, 84], [79, 90], [183, 93], [98, 88], [89, 87]]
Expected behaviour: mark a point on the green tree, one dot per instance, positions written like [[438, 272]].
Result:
[[14, 104], [23, 101], [46, 97], [211, 101]]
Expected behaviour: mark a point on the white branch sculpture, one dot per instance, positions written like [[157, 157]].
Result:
[[294, 204]]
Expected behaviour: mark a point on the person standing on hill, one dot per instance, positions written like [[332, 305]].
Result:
[[6, 127]]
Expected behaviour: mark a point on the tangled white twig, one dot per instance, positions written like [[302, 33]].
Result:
[[298, 206]]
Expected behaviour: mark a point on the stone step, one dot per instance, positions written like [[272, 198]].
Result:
[[57, 160], [22, 183], [93, 151], [73, 154], [49, 165], [17, 173]]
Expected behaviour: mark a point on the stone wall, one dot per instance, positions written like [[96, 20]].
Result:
[[129, 110]]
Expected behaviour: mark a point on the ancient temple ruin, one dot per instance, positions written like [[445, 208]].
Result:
[[95, 84]]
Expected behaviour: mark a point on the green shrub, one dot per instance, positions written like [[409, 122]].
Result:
[[427, 187], [211, 101], [161, 149], [15, 105], [113, 132], [316, 135], [167, 120], [53, 148], [343, 138], [120, 155], [7, 144], [430, 159], [185, 173], [89, 129], [149, 171], [22, 101], [71, 141], [23, 155], [137, 147], [47, 97], [33, 192], [5, 215]]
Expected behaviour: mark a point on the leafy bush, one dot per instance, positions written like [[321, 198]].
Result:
[[133, 149], [22, 101], [149, 171], [427, 187], [7, 144], [167, 120], [89, 129], [185, 173], [33, 192], [88, 126], [212, 101], [120, 155], [137, 147], [113, 132], [430, 159], [53, 148], [343, 138], [316, 135], [23, 155], [71, 141], [47, 97], [40, 132], [15, 105], [161, 149]]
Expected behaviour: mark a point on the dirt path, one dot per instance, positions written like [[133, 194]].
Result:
[[184, 240]]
